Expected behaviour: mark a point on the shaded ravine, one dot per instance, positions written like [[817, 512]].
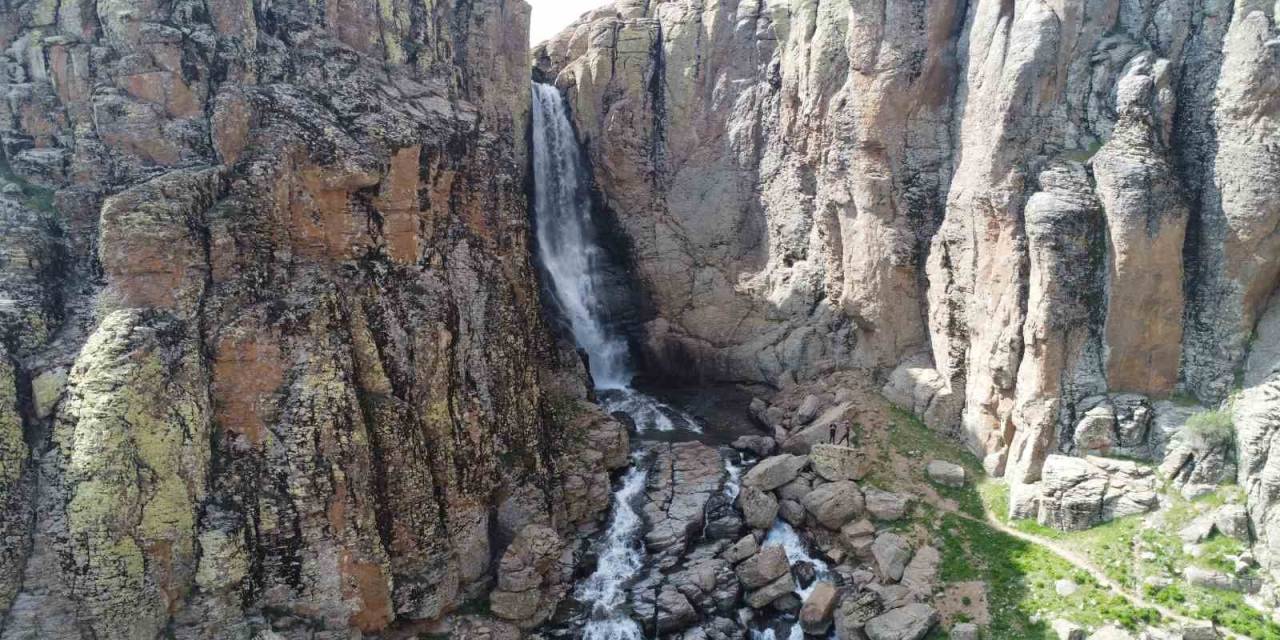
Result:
[[573, 262]]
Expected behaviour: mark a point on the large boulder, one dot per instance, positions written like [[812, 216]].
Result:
[[815, 615], [891, 552], [838, 462], [759, 508], [911, 622], [857, 608], [834, 504], [771, 473], [766, 595], [883, 505], [1079, 493], [946, 473], [764, 567]]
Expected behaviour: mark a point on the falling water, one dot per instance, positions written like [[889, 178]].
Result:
[[604, 592], [569, 248], [567, 242]]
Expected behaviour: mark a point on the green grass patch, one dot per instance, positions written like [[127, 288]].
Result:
[[1020, 579], [33, 196]]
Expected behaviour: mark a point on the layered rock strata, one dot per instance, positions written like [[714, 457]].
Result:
[[1005, 209], [273, 358]]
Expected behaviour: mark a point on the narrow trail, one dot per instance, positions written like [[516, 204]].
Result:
[[1080, 562]]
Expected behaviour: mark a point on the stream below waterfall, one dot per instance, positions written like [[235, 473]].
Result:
[[626, 592]]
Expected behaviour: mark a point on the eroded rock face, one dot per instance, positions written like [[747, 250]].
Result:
[[1023, 205], [270, 322]]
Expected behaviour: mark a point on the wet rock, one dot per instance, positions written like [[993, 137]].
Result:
[[759, 508], [816, 614], [723, 520], [838, 462], [946, 473], [764, 567], [883, 505], [834, 504], [681, 482], [911, 622], [771, 473], [787, 604], [804, 573], [891, 552], [760, 446]]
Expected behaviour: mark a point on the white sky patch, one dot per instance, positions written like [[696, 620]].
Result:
[[550, 16]]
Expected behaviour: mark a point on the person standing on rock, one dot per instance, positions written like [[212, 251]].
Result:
[[832, 439]]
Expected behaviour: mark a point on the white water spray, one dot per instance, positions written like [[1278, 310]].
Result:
[[569, 248], [567, 240], [620, 560]]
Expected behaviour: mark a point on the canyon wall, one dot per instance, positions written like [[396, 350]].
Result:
[[1013, 211], [272, 357]]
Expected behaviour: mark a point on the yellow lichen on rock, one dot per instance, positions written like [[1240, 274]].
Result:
[[133, 435]]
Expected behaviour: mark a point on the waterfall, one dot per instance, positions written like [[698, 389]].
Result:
[[567, 241], [568, 246]]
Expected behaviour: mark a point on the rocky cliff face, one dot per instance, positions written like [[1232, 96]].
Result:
[[1015, 211], [271, 352]]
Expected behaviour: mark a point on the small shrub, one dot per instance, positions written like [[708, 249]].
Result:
[[1209, 430]]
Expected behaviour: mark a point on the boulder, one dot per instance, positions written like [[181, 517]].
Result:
[[834, 504], [761, 446], [838, 462], [856, 537], [1199, 631], [1212, 579], [855, 610], [1111, 632], [808, 409], [1068, 630], [911, 622], [921, 574], [891, 552], [964, 631], [1198, 531], [765, 595], [1078, 493], [946, 473], [675, 612], [759, 508], [742, 549], [1095, 433], [1233, 520], [883, 505], [764, 567], [773, 472], [816, 614], [805, 573], [796, 489], [791, 511]]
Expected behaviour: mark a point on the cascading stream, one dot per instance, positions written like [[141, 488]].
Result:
[[621, 559]]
